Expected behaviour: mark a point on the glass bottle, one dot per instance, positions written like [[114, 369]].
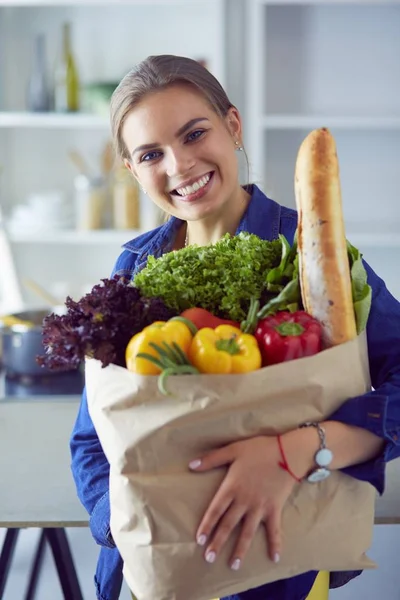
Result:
[[38, 99], [66, 87]]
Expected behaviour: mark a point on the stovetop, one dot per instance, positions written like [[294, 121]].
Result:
[[60, 384]]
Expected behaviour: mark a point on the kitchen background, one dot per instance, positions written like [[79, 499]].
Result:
[[289, 67]]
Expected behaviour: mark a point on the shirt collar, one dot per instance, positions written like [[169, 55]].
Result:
[[156, 238], [262, 216]]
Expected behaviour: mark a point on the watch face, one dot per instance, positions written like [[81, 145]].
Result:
[[324, 457], [318, 475]]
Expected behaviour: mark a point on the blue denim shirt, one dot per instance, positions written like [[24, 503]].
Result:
[[378, 411]]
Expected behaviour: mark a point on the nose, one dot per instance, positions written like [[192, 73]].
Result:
[[179, 162]]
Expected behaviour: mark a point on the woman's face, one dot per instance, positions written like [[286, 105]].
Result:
[[182, 153]]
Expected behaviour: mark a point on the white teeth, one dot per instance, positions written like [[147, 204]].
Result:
[[190, 189]]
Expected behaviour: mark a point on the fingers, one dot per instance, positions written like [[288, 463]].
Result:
[[217, 458], [242, 498], [251, 521], [215, 511], [227, 524], [273, 526], [249, 529]]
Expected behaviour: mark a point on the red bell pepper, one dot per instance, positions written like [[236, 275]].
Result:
[[287, 336]]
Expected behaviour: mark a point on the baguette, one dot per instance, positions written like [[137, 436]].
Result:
[[323, 259]]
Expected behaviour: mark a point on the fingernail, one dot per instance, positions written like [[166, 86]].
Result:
[[201, 540], [194, 464], [277, 558], [236, 564], [210, 557]]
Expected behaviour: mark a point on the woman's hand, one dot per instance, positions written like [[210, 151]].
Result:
[[255, 488], [254, 491]]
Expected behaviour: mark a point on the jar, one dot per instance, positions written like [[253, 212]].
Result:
[[126, 204], [90, 202]]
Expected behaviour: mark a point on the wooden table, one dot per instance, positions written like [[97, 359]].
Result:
[[37, 489]]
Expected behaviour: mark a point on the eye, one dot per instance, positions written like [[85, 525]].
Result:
[[195, 135], [150, 156]]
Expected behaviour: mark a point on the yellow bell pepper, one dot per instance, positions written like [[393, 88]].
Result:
[[223, 350], [159, 333]]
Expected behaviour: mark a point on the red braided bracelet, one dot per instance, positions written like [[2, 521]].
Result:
[[284, 463]]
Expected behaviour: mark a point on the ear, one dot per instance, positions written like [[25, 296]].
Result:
[[131, 168], [234, 124]]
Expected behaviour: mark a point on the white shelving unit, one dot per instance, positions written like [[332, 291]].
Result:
[[34, 148], [290, 66], [343, 122], [41, 141], [68, 237], [27, 120], [57, 3], [329, 64], [118, 238], [325, 2]]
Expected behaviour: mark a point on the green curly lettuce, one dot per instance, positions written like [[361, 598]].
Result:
[[224, 277], [221, 277]]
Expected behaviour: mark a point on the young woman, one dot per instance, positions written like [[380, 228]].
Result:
[[178, 133]]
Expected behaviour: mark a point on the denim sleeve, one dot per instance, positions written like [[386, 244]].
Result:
[[90, 468], [379, 410]]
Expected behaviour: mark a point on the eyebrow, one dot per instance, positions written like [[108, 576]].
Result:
[[180, 132]]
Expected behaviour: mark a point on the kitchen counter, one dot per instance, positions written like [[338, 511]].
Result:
[[37, 486], [62, 384]]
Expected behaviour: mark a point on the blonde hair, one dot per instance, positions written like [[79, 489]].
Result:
[[157, 73]]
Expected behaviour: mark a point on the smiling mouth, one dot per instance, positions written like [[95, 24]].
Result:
[[189, 190]]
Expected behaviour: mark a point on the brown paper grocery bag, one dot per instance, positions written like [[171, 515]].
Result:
[[157, 503]]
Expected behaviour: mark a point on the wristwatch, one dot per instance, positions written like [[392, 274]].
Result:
[[323, 457]]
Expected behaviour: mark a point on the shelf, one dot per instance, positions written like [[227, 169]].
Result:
[[339, 122], [330, 2], [52, 120], [57, 3], [361, 240], [101, 236]]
